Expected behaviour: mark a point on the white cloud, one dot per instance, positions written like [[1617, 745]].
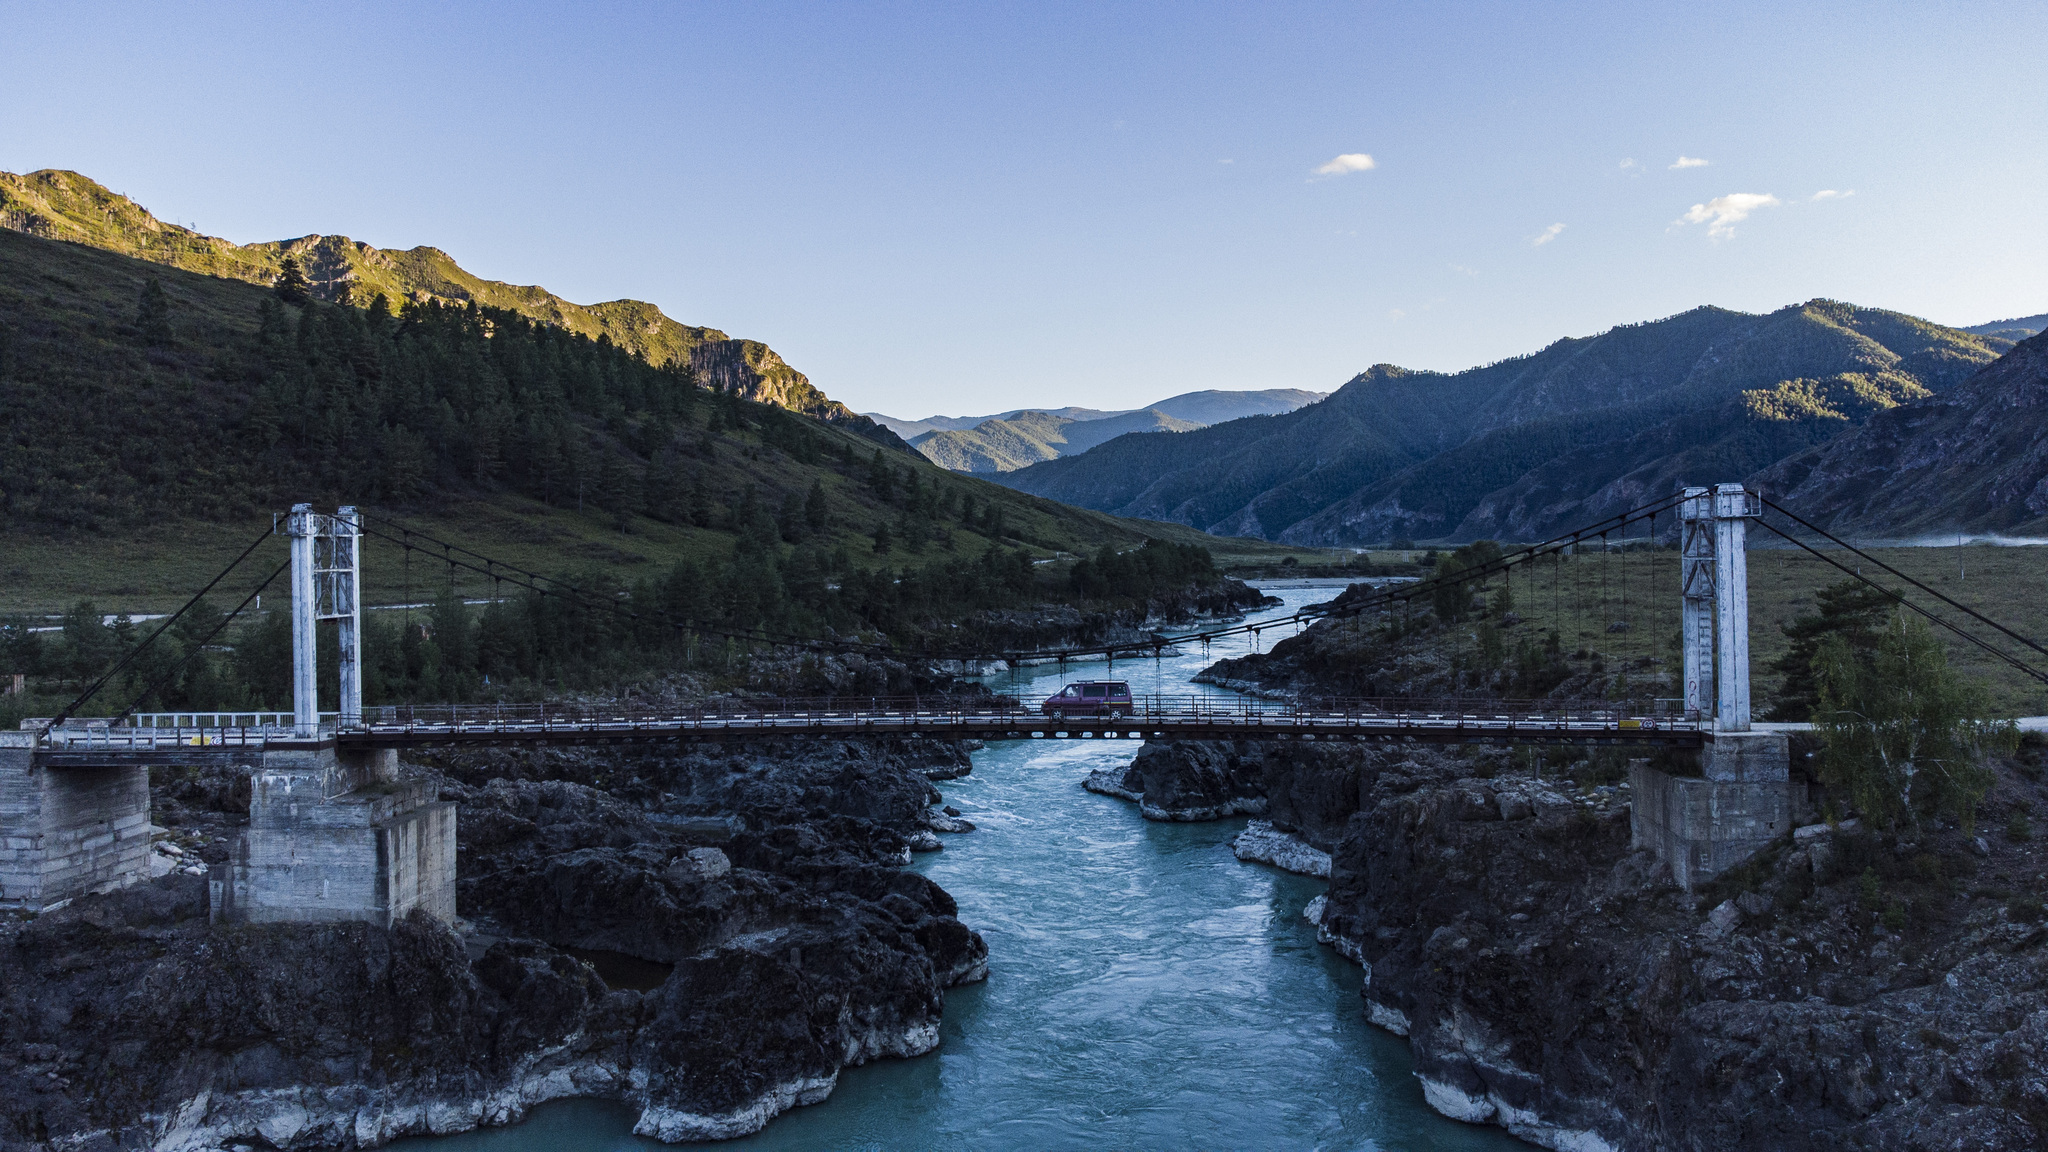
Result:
[[1464, 269], [1689, 162], [1547, 235], [1226, 161], [1722, 213], [1630, 163], [1831, 194], [1348, 162], [1398, 314]]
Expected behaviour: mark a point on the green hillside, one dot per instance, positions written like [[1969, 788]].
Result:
[[59, 205], [152, 422]]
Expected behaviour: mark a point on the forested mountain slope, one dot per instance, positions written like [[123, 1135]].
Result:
[[60, 205], [1523, 447], [152, 421], [1975, 459], [218, 404]]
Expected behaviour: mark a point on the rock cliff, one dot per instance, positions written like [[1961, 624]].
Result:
[[709, 937]]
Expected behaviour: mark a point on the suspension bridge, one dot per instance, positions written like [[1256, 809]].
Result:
[[338, 831]]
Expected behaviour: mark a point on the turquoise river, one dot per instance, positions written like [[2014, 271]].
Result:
[[1146, 990]]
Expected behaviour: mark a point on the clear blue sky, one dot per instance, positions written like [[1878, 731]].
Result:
[[969, 207]]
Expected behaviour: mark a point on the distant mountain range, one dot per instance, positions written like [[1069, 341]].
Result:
[[1024, 436], [58, 205], [2018, 328], [1534, 444]]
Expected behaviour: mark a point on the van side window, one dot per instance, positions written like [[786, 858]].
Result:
[[1093, 691]]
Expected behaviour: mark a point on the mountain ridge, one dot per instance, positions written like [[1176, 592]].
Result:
[[1980, 444], [55, 204], [1029, 437], [1208, 406], [1529, 444]]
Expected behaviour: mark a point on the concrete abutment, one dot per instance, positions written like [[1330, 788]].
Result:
[[67, 832]]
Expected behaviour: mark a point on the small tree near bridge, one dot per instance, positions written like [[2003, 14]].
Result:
[[1905, 736]]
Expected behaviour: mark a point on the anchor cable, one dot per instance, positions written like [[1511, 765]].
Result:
[[204, 641]]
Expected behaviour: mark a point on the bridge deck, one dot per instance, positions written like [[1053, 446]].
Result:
[[982, 718]]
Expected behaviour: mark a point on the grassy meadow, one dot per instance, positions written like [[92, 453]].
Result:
[[1584, 595]]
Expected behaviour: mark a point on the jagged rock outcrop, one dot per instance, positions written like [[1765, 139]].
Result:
[[762, 889], [1305, 789], [1186, 780], [1554, 982]]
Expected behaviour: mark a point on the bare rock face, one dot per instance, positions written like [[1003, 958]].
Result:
[[1194, 780], [787, 947], [1307, 789], [1261, 843], [1553, 982]]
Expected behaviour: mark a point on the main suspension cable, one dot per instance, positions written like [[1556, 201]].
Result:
[[1900, 600], [93, 689], [1965, 609]]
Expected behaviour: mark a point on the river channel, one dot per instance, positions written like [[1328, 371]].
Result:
[[1146, 989]]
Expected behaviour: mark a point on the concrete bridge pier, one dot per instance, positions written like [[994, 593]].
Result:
[[1743, 800], [338, 834], [68, 832]]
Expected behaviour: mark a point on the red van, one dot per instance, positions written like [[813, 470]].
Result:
[[1110, 698]]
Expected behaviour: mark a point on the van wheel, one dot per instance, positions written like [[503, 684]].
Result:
[[1116, 713]]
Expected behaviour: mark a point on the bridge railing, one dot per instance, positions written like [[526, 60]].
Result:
[[913, 711], [826, 714]]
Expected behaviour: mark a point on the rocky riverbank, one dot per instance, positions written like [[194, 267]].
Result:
[[709, 936], [1045, 626], [1843, 990]]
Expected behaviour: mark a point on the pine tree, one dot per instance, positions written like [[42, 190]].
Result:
[[816, 513], [291, 285], [153, 315]]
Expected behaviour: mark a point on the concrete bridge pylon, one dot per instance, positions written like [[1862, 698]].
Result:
[[1744, 797], [327, 554]]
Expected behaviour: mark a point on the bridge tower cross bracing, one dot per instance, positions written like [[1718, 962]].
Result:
[[1714, 584], [1696, 587], [326, 556]]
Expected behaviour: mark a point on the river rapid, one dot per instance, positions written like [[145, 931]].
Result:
[[1145, 990]]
